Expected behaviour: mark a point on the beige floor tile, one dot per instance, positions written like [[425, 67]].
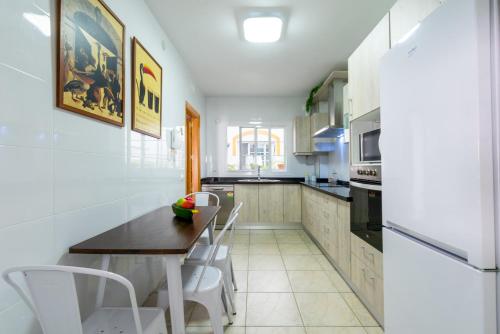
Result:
[[338, 281], [208, 330], [325, 309], [301, 262], [262, 232], [280, 233], [268, 281], [264, 249], [335, 330], [374, 330], [241, 280], [294, 249], [323, 262], [265, 262], [289, 239], [262, 239], [200, 318], [239, 239], [240, 249], [272, 309], [188, 311], [242, 232], [314, 249], [240, 262], [359, 309], [310, 281], [275, 330]]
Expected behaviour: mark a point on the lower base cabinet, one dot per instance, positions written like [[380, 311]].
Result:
[[367, 275], [268, 204], [327, 219]]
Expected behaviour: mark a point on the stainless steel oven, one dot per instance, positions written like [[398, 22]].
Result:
[[366, 207], [225, 192]]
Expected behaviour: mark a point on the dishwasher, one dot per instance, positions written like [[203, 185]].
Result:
[[226, 198]]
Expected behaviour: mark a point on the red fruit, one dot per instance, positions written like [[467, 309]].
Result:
[[188, 204]]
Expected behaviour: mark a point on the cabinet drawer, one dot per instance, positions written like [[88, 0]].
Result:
[[368, 254], [369, 285]]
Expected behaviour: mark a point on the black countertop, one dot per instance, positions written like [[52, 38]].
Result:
[[340, 191]]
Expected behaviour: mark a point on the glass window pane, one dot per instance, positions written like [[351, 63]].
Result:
[[263, 155], [247, 134], [262, 134], [278, 141], [233, 148], [279, 163], [248, 162]]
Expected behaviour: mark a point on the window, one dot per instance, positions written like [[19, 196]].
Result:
[[250, 147]]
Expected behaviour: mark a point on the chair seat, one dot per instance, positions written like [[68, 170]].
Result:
[[116, 320], [190, 275], [204, 239], [201, 252]]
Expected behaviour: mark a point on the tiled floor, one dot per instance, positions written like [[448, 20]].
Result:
[[286, 286]]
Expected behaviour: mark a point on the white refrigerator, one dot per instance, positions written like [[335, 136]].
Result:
[[439, 145]]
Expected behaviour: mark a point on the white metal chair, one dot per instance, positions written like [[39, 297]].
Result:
[[202, 198], [53, 299], [222, 260], [204, 285]]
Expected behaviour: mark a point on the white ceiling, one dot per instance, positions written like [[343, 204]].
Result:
[[320, 36]]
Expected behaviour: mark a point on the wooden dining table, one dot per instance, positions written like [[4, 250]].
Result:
[[158, 233]]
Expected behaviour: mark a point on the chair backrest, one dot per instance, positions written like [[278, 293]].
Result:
[[216, 245], [53, 299], [202, 198]]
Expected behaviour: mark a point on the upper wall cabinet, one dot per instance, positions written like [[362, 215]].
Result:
[[364, 69], [302, 135], [406, 14]]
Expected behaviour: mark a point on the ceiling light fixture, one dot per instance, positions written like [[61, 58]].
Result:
[[263, 29], [255, 122]]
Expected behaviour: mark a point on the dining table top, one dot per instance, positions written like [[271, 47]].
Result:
[[157, 232]]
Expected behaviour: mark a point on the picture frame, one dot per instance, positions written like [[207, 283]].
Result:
[[90, 60], [147, 85]]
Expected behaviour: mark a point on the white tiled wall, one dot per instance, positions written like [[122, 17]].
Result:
[[64, 177]]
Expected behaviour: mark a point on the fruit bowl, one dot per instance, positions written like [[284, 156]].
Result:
[[183, 213]]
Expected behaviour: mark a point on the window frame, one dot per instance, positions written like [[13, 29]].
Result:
[[255, 142]]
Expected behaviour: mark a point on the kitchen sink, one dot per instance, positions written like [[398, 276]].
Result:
[[260, 181]]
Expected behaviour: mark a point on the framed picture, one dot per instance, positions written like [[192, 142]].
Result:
[[146, 92], [90, 60]]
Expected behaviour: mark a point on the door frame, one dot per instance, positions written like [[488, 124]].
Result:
[[192, 149]]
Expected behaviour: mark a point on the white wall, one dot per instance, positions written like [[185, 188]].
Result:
[[275, 111], [336, 161], [65, 178]]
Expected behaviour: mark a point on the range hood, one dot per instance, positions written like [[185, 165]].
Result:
[[332, 91]]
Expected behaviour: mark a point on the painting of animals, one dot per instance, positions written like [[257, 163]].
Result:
[[90, 66], [146, 92]]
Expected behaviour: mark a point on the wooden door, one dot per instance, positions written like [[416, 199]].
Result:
[[271, 204], [292, 212], [249, 195], [193, 171]]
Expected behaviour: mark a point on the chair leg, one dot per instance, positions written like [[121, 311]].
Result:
[[227, 307], [228, 287], [233, 278], [215, 314]]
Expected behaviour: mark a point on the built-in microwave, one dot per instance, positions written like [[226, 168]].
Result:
[[369, 151]]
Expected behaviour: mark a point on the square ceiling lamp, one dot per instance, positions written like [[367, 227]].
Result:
[[262, 25]]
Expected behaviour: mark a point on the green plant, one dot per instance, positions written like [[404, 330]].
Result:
[[310, 102]]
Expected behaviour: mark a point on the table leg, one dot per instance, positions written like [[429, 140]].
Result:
[[102, 281], [175, 295], [211, 230]]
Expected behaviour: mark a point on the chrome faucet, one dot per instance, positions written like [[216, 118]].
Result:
[[258, 173]]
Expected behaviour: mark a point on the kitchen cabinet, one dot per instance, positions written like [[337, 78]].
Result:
[[364, 69], [406, 14], [302, 144], [292, 206], [328, 220], [249, 195], [344, 237], [367, 275], [320, 120], [271, 204], [347, 114]]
